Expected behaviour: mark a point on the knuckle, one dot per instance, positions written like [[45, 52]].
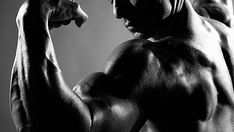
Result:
[[74, 5], [55, 24], [68, 13], [67, 22]]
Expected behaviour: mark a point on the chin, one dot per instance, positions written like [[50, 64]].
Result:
[[138, 35]]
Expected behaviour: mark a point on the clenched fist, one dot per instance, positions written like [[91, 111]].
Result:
[[64, 12], [54, 12]]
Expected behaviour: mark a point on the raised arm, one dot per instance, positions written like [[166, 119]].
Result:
[[40, 100]]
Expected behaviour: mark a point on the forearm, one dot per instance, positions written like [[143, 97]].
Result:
[[34, 49], [32, 56]]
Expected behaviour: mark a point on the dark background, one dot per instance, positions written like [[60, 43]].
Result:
[[79, 51]]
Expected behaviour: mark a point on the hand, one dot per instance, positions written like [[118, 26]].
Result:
[[55, 12], [64, 12]]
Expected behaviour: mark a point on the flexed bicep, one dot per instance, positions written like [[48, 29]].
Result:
[[109, 112]]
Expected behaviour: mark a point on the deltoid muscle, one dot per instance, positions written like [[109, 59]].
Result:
[[221, 10]]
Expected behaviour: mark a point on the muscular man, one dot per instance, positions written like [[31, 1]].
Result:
[[180, 80]]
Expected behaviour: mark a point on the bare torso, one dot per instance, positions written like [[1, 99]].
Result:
[[182, 85], [177, 83]]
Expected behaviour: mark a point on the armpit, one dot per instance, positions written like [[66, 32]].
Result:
[[85, 86]]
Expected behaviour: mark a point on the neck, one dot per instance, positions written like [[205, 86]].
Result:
[[180, 24]]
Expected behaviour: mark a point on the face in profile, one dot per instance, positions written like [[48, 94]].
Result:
[[142, 17]]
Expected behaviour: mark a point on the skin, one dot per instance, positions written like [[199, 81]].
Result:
[[220, 10], [180, 80]]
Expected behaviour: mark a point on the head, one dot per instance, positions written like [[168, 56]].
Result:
[[144, 17]]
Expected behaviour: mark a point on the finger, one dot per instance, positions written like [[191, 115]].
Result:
[[55, 24], [68, 10], [58, 24], [66, 22], [63, 12]]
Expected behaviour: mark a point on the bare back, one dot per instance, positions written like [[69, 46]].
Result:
[[196, 78]]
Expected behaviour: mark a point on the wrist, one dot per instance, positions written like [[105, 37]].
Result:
[[39, 10], [35, 16]]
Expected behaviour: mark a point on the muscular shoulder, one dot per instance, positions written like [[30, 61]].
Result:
[[129, 64], [224, 31], [130, 56], [214, 10]]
